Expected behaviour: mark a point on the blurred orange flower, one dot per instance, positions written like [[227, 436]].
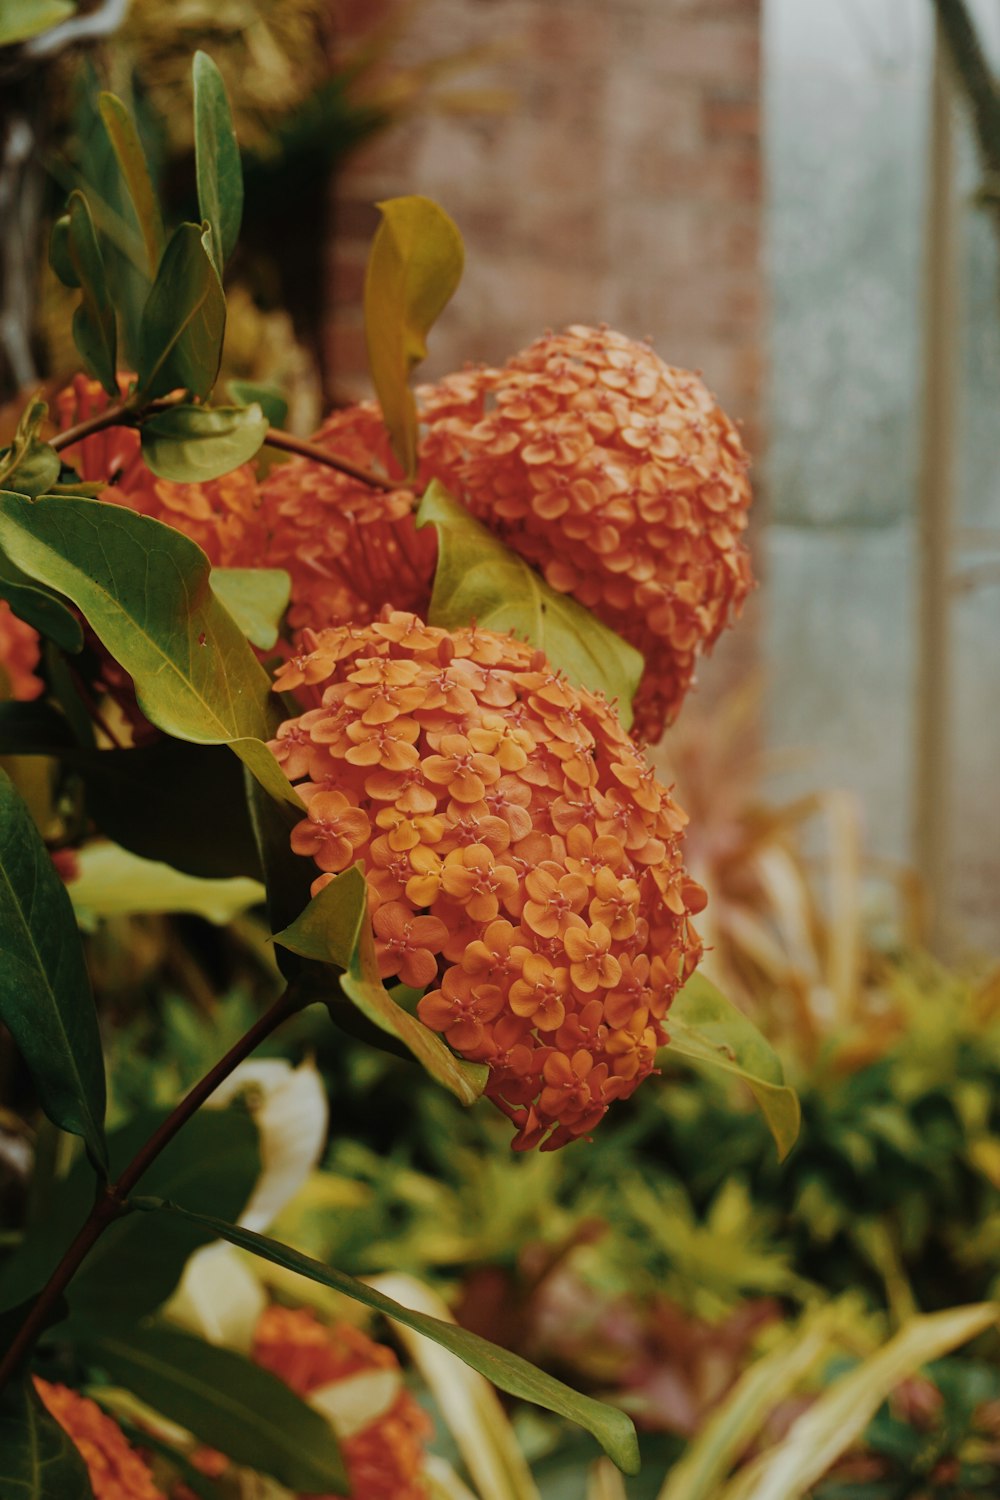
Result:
[[20, 651], [385, 1458], [116, 1470]]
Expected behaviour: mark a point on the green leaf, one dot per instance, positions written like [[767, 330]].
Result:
[[413, 270], [39, 607], [335, 929], [94, 327], [29, 465], [113, 882], [707, 1028], [612, 1428], [192, 444], [158, 800], [22, 19], [229, 1403], [839, 1416], [256, 598], [135, 171], [59, 256], [38, 1459], [212, 1166], [184, 319], [144, 589], [217, 159], [268, 397], [45, 997], [478, 578]]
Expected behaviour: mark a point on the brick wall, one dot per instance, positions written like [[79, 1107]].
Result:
[[623, 185]]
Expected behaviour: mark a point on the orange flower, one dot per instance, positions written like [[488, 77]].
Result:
[[20, 651], [620, 479], [613, 473], [221, 515], [116, 1470], [526, 869], [384, 1459]]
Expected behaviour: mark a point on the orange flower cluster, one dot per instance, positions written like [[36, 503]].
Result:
[[616, 475], [221, 515], [385, 1458], [620, 479], [521, 858], [20, 651], [116, 1470], [349, 548]]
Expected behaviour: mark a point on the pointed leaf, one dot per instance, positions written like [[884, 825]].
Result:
[[706, 1027], [45, 997], [414, 266], [468, 1404], [38, 1459], [184, 319], [612, 1428], [144, 589], [135, 172], [335, 929], [94, 327], [840, 1415], [192, 444], [256, 598], [478, 578], [217, 159], [228, 1402]]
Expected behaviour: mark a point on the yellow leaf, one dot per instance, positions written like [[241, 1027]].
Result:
[[414, 267]]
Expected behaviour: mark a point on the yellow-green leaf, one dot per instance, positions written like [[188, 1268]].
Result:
[[22, 19], [256, 598], [135, 172], [192, 444], [414, 266], [479, 578], [112, 882], [610, 1426], [144, 589], [707, 1028], [335, 929], [737, 1421], [843, 1411]]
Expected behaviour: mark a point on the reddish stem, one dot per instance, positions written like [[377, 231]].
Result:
[[112, 1202]]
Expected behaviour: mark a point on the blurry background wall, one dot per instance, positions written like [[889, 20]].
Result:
[[847, 144]]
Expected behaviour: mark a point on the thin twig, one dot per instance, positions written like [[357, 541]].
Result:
[[286, 441], [112, 416], [125, 416], [112, 1201]]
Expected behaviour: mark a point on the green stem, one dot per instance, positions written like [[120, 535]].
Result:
[[112, 1201]]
